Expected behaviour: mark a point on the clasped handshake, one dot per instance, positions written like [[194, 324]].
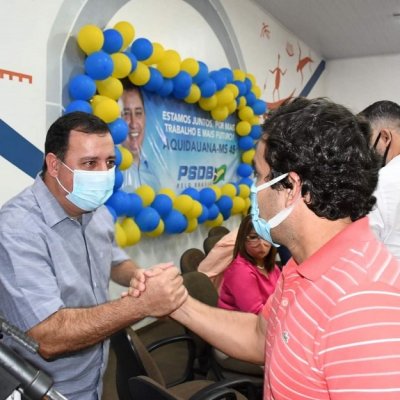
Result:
[[158, 290]]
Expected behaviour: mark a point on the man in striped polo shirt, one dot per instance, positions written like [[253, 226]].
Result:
[[332, 328]]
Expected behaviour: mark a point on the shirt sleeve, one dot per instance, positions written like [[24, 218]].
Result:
[[28, 287]]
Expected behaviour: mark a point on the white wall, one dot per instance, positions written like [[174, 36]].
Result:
[[358, 82]]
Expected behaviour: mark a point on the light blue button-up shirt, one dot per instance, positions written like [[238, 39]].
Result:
[[50, 261]]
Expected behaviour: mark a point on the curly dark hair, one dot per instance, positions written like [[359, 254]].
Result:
[[246, 226], [57, 138], [324, 143]]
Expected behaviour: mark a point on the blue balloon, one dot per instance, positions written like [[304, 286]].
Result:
[[207, 197], [193, 193], [113, 41], [248, 84], [99, 65], [219, 78], [78, 105], [142, 48], [208, 88], [259, 107], [81, 87], [162, 204], [228, 74], [133, 59], [182, 83], [118, 156], [250, 98], [118, 201], [113, 213], [241, 86], [155, 82], [181, 93], [246, 181], [119, 179], [213, 212], [119, 130], [167, 88], [246, 143], [202, 74], [244, 170], [226, 214], [175, 222], [134, 204], [224, 203], [203, 216], [255, 132], [147, 219]]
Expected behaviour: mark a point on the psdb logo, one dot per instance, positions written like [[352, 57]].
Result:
[[196, 172]]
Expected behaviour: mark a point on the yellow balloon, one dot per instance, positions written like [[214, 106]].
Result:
[[141, 75], [90, 39], [97, 99], [215, 222], [232, 106], [192, 225], [168, 192], [248, 155], [108, 110], [247, 206], [233, 88], [208, 103], [168, 68], [120, 235], [132, 231], [195, 211], [257, 91], [158, 231], [126, 158], [110, 87], [194, 94], [238, 205], [243, 128], [190, 65], [127, 31], [157, 55], [239, 75], [242, 102], [228, 190], [244, 191], [246, 113], [122, 65], [146, 193], [224, 97], [183, 203], [217, 190], [252, 78], [220, 113], [255, 120], [172, 55]]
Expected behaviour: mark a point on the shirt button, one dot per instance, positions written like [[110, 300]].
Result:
[[285, 302]]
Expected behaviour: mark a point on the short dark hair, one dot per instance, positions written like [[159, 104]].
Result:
[[384, 109], [57, 138], [324, 144], [128, 85], [246, 226]]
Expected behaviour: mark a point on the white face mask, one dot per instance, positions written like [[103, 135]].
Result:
[[91, 189]]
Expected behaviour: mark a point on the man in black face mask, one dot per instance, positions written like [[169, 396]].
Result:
[[384, 117]]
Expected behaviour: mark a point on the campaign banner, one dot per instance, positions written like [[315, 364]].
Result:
[[184, 147]]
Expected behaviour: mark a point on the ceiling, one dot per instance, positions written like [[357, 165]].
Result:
[[341, 28]]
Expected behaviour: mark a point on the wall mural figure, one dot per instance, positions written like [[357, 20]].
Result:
[[278, 72], [302, 63], [265, 32]]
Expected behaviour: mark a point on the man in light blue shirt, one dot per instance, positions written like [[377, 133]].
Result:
[[57, 253]]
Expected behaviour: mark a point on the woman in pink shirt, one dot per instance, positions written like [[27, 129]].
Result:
[[251, 277]]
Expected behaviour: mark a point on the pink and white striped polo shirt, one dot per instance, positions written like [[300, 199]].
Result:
[[334, 323]]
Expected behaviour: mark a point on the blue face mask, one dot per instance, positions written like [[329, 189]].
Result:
[[261, 226], [91, 189]]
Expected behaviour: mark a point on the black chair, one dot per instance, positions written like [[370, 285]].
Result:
[[138, 376], [218, 231], [190, 260], [210, 361]]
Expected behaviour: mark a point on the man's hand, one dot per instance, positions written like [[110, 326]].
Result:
[[164, 291]]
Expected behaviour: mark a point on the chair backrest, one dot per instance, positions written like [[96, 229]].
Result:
[[210, 241], [133, 359], [218, 231], [190, 260]]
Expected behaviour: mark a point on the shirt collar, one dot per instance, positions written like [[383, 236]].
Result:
[[323, 259]]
